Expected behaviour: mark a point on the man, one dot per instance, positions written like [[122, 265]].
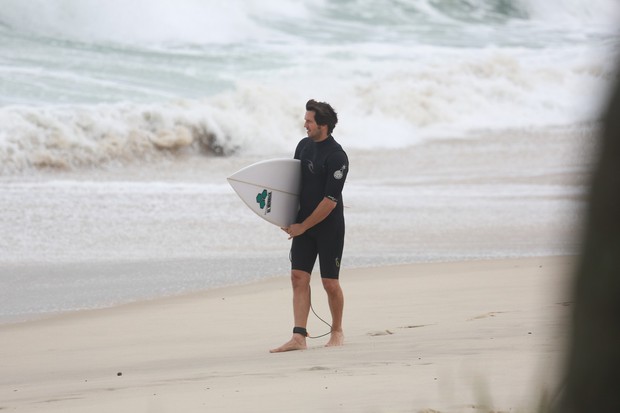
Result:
[[320, 223]]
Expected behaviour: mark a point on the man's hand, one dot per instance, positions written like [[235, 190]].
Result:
[[294, 230], [325, 207]]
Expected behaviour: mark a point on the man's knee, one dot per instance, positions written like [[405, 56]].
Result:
[[300, 278], [331, 285]]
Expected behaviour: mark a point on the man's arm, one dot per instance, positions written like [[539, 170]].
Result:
[[322, 211]]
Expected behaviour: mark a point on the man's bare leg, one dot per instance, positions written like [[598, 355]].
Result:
[[335, 299], [301, 308]]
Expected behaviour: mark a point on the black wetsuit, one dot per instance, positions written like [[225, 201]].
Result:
[[324, 168]]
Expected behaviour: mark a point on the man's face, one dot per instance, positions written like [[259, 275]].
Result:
[[314, 130]]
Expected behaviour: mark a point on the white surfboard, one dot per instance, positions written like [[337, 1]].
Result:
[[271, 189]]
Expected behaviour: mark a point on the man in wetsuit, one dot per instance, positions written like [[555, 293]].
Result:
[[320, 222]]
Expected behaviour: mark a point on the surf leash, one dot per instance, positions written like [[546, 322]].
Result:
[[317, 316]]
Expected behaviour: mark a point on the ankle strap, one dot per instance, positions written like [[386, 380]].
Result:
[[300, 330]]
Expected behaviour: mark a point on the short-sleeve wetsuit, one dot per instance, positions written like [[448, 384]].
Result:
[[324, 169]]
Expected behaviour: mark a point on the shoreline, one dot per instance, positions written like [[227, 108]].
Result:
[[450, 330], [27, 269]]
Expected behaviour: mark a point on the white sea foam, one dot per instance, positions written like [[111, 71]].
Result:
[[212, 21], [88, 84], [141, 21], [449, 94]]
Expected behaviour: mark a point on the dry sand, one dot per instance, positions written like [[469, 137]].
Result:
[[449, 337]]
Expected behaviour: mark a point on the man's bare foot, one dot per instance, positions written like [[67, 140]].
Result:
[[298, 342], [336, 339]]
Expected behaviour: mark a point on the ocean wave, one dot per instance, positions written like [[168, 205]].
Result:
[[233, 21], [86, 84], [69, 137], [391, 107]]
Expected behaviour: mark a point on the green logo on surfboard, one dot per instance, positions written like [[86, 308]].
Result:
[[263, 199]]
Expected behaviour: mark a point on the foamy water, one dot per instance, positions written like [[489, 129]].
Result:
[[469, 127], [85, 84], [108, 237]]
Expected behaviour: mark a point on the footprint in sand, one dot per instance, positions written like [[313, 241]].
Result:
[[388, 332], [416, 326], [380, 333], [490, 314]]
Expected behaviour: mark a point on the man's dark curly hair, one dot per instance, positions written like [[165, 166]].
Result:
[[324, 114]]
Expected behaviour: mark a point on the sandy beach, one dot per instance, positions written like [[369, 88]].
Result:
[[133, 278], [450, 337]]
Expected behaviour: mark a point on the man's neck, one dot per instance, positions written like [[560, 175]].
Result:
[[322, 138]]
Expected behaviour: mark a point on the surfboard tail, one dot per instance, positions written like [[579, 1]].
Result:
[[270, 189]]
